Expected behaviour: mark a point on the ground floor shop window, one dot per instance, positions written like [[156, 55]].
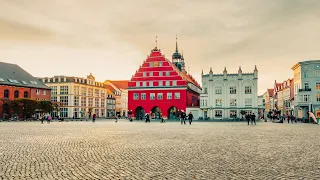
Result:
[[75, 112], [63, 112], [218, 113], [233, 113]]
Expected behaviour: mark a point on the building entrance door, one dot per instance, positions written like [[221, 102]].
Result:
[[139, 113], [173, 112], [156, 113]]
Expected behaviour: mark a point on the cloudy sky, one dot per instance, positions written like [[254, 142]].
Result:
[[111, 38]]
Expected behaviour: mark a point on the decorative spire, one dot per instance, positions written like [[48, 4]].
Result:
[[240, 69], [156, 42], [210, 70], [255, 68], [176, 43], [225, 69], [202, 72]]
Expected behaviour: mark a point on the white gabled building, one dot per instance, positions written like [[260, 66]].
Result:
[[225, 95]]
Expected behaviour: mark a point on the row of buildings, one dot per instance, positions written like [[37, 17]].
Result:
[[79, 97], [298, 94]]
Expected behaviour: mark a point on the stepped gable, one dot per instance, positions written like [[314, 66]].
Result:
[[157, 56]]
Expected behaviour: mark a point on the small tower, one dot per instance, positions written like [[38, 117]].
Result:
[[178, 59], [239, 73], [255, 72], [225, 73], [210, 74], [202, 72]]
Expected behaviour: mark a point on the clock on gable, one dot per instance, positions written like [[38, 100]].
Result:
[[155, 64]]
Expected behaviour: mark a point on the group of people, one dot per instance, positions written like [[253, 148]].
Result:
[[48, 118], [251, 117], [184, 116]]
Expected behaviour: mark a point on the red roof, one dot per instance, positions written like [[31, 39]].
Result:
[[270, 91], [121, 84], [110, 88]]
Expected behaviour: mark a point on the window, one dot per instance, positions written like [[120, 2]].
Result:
[[143, 96], [90, 91], [305, 98], [167, 83], [160, 83], [233, 90], [150, 73], [83, 91], [63, 89], [160, 96], [63, 112], [150, 64], [96, 102], [160, 64], [144, 84], [44, 92], [248, 102], [174, 83], [1, 79], [64, 100], [151, 84], [37, 91], [305, 74], [76, 101], [176, 95], [25, 94], [318, 97], [16, 94], [167, 73], [54, 99], [83, 101], [218, 90], [318, 85], [54, 90], [152, 96], [90, 102], [306, 85], [218, 102], [218, 113], [102, 103], [138, 84], [135, 96], [233, 102], [169, 95], [317, 73], [247, 90], [160, 73], [103, 93], [233, 113], [206, 90], [96, 92], [206, 102], [144, 74], [24, 82]]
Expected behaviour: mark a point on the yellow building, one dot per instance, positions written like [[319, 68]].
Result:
[[120, 90]]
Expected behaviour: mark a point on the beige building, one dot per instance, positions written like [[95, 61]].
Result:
[[120, 90], [80, 97], [282, 93]]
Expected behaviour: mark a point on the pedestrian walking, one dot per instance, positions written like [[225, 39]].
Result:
[[248, 118], [41, 119], [147, 118], [190, 117], [94, 118], [183, 117], [253, 119]]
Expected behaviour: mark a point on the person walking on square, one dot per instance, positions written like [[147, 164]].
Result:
[[183, 117], [253, 119], [248, 118], [190, 117], [147, 118], [94, 118]]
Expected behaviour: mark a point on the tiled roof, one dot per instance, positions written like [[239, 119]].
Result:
[[110, 89], [270, 91], [184, 75], [123, 84], [14, 75]]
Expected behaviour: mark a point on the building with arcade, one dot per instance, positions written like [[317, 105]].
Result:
[[163, 88]]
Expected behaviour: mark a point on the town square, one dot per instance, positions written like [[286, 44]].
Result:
[[138, 150], [158, 89]]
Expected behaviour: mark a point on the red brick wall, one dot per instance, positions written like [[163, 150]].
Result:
[[12, 89], [41, 95]]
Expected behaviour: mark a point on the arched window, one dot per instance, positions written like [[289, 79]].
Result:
[[25, 94], [16, 94], [6, 93]]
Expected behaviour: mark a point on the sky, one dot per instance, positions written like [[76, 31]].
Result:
[[112, 38]]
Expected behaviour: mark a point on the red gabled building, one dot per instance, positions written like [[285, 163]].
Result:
[[162, 87]]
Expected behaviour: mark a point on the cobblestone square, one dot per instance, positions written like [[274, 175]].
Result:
[[124, 150]]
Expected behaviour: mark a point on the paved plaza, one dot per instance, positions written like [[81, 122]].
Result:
[[124, 150]]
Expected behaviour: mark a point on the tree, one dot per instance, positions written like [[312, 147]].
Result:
[[242, 112], [56, 107], [46, 106]]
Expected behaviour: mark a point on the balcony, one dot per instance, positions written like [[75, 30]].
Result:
[[305, 90]]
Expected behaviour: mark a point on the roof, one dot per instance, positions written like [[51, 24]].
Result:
[[121, 84], [110, 88], [270, 91], [14, 75]]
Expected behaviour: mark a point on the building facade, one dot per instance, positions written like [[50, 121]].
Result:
[[283, 97], [307, 88], [111, 102], [16, 83], [120, 91], [79, 97], [225, 95], [269, 101], [163, 88]]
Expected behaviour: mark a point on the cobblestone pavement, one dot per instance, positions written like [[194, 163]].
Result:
[[124, 150]]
